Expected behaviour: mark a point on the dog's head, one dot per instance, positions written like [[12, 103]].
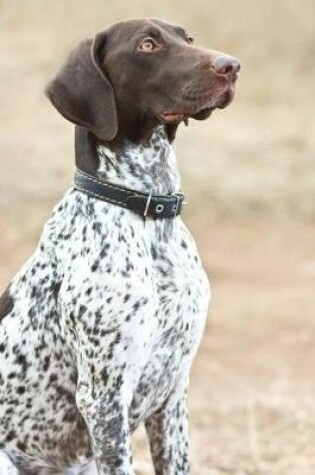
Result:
[[139, 73]]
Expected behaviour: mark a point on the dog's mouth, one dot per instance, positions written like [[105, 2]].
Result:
[[170, 116]]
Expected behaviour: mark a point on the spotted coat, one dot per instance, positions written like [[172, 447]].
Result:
[[99, 328]]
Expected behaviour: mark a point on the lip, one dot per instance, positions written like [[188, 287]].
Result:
[[226, 98], [169, 116]]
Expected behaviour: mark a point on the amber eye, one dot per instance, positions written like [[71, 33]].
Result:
[[147, 45]]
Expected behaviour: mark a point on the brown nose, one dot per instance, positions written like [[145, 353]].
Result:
[[226, 65]]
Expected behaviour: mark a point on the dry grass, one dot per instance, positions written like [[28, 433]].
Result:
[[252, 403]]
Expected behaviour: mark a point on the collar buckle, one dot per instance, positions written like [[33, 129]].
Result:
[[179, 196]]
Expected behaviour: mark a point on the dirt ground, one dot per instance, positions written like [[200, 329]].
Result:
[[252, 392], [252, 401]]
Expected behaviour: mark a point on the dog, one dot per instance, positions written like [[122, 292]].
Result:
[[100, 327]]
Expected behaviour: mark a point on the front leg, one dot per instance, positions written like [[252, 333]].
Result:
[[107, 419], [107, 374], [168, 436], [109, 366]]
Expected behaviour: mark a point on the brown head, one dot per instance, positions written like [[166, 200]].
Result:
[[137, 74]]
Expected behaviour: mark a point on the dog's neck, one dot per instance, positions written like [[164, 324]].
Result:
[[146, 166]]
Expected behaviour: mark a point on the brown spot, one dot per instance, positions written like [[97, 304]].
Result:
[[6, 304]]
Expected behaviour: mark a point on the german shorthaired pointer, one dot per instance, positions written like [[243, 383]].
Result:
[[99, 328]]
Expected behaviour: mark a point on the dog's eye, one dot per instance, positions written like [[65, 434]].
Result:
[[147, 45]]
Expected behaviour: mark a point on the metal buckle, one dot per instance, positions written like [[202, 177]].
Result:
[[146, 209], [175, 207]]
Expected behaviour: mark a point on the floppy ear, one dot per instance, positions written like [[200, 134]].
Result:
[[82, 93]]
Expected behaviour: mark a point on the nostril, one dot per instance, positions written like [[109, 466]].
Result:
[[226, 65], [228, 69]]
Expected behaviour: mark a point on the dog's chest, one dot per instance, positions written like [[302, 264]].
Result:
[[180, 298], [151, 289]]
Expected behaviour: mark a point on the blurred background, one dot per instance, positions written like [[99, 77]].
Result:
[[253, 384]]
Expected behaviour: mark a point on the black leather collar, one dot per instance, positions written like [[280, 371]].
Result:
[[144, 204]]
